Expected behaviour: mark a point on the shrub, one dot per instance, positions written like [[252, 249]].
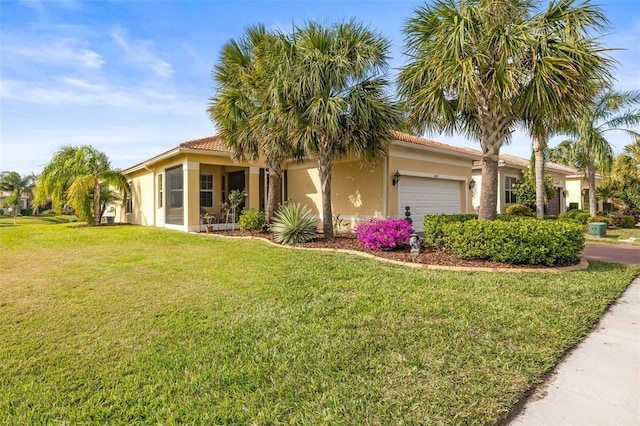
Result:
[[293, 223], [433, 226], [582, 217], [251, 219], [573, 213], [625, 221], [383, 233], [527, 241], [633, 212], [518, 210], [26, 212], [598, 219]]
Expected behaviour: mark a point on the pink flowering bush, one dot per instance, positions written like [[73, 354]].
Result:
[[383, 233]]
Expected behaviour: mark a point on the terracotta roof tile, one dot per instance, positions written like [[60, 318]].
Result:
[[405, 137], [210, 143]]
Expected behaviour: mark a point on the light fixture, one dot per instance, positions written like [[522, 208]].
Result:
[[396, 178], [472, 184]]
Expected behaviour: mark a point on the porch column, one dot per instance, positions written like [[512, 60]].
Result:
[[191, 196], [253, 189]]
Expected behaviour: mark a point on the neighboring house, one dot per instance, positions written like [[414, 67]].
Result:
[[568, 183], [578, 188], [175, 188], [25, 201]]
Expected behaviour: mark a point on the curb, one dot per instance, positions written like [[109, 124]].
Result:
[[584, 264]]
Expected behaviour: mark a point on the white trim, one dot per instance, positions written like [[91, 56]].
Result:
[[254, 170], [430, 175]]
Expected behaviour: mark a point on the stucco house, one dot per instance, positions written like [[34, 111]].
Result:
[[173, 189], [569, 183]]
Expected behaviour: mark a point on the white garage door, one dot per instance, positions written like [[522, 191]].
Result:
[[428, 196]]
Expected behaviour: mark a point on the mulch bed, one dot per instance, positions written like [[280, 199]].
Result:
[[400, 254]]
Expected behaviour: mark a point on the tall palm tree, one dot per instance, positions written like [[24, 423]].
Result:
[[247, 105], [18, 186], [609, 111], [77, 175], [481, 67], [338, 98]]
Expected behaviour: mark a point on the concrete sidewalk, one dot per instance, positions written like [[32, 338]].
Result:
[[598, 383]]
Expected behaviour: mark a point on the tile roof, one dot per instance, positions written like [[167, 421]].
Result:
[[405, 137], [522, 162], [210, 143]]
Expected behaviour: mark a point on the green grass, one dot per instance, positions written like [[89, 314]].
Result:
[[614, 235], [35, 220], [124, 325]]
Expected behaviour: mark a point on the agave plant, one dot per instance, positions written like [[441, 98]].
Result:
[[293, 223]]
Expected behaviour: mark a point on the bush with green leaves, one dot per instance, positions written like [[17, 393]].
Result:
[[582, 217], [251, 220], [433, 224], [592, 219], [527, 241], [519, 210], [627, 221], [572, 213], [294, 223]]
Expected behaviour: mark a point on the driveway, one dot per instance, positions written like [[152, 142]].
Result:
[[617, 253]]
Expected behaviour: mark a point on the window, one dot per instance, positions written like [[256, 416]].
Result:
[[160, 191], [129, 207], [223, 199], [206, 190], [509, 196]]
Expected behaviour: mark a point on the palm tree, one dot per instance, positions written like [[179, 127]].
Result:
[[77, 175], [338, 98], [247, 105], [18, 186], [626, 175], [609, 111], [480, 67]]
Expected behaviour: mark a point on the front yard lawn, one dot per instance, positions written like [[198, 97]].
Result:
[[124, 325], [614, 236]]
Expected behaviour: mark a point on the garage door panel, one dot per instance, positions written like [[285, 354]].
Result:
[[428, 196]]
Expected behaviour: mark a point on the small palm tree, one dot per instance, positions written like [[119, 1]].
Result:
[[483, 67], [77, 176], [18, 186], [338, 98], [608, 111]]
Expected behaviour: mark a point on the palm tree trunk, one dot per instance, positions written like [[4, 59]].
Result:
[[489, 188], [325, 163], [591, 176], [96, 201], [538, 151], [274, 193]]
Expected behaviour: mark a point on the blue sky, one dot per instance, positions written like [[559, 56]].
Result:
[[133, 78]]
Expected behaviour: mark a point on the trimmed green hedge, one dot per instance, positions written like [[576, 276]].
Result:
[[532, 241], [433, 224], [519, 210]]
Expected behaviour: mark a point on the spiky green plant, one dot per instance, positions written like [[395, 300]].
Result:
[[294, 223]]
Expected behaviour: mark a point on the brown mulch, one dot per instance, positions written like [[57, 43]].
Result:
[[400, 254]]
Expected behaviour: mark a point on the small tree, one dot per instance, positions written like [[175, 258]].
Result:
[[525, 188], [17, 186], [78, 176], [236, 197]]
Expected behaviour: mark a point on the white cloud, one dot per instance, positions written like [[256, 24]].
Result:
[[59, 52], [139, 52]]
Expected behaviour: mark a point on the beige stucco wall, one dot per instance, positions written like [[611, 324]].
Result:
[[361, 191], [356, 189], [412, 160]]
